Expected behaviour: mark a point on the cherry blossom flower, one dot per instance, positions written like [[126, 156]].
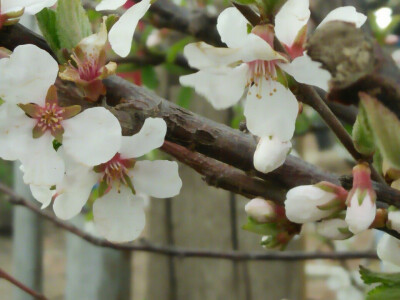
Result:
[[388, 250], [393, 221], [334, 229], [31, 119], [121, 34], [309, 203], [361, 201], [89, 67], [270, 154], [118, 212], [12, 10], [250, 62]]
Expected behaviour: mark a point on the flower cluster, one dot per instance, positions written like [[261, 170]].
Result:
[[250, 63], [340, 213], [69, 156]]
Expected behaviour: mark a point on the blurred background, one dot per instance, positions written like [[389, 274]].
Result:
[[64, 266]]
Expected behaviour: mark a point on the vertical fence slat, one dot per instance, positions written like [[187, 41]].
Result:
[[27, 242]]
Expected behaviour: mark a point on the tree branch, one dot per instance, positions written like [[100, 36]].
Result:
[[21, 286], [181, 252]]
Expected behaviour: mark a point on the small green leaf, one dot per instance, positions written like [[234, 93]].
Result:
[[384, 292], [46, 19], [385, 127], [370, 277], [263, 229], [185, 96], [149, 77], [303, 124], [362, 134], [177, 48], [72, 23], [56, 145]]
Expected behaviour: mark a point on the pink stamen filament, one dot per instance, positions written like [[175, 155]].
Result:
[[259, 69], [88, 70], [50, 117], [116, 169]]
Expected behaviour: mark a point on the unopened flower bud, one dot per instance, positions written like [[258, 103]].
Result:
[[394, 219], [309, 203], [361, 200], [260, 210], [334, 229], [388, 249], [270, 154]]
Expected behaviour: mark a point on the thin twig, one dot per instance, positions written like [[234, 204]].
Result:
[[309, 96], [20, 285], [181, 252]]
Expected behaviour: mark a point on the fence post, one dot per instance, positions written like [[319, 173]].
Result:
[[27, 242], [95, 273]]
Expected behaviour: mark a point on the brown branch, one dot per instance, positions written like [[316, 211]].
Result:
[[221, 175], [248, 13], [21, 286], [181, 252]]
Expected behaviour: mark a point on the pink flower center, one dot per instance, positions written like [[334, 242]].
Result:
[[116, 170], [259, 69], [88, 69], [49, 117]]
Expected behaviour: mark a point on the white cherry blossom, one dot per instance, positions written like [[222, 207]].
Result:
[[334, 229], [260, 210], [388, 249], [121, 34], [361, 212], [30, 119], [118, 212]]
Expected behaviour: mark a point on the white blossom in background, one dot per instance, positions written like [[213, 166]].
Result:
[[388, 249], [310, 203], [394, 219], [334, 229], [30, 119], [261, 210], [361, 202], [121, 34], [250, 63], [270, 154], [118, 212], [12, 10]]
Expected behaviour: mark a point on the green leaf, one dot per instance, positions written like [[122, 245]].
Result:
[[46, 19], [385, 127], [303, 124], [72, 23], [370, 277], [362, 134], [185, 96], [149, 77], [177, 48], [384, 292], [263, 229]]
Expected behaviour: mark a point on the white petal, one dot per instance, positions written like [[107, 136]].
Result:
[[394, 220], [388, 249], [151, 136], [15, 131], [232, 27], [110, 4], [223, 87], [121, 34], [291, 18], [159, 178], [43, 194], [74, 190], [345, 14], [201, 55], [272, 115], [31, 6], [119, 216], [93, 137], [314, 75], [271, 154], [27, 75], [360, 217], [257, 49], [42, 164]]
